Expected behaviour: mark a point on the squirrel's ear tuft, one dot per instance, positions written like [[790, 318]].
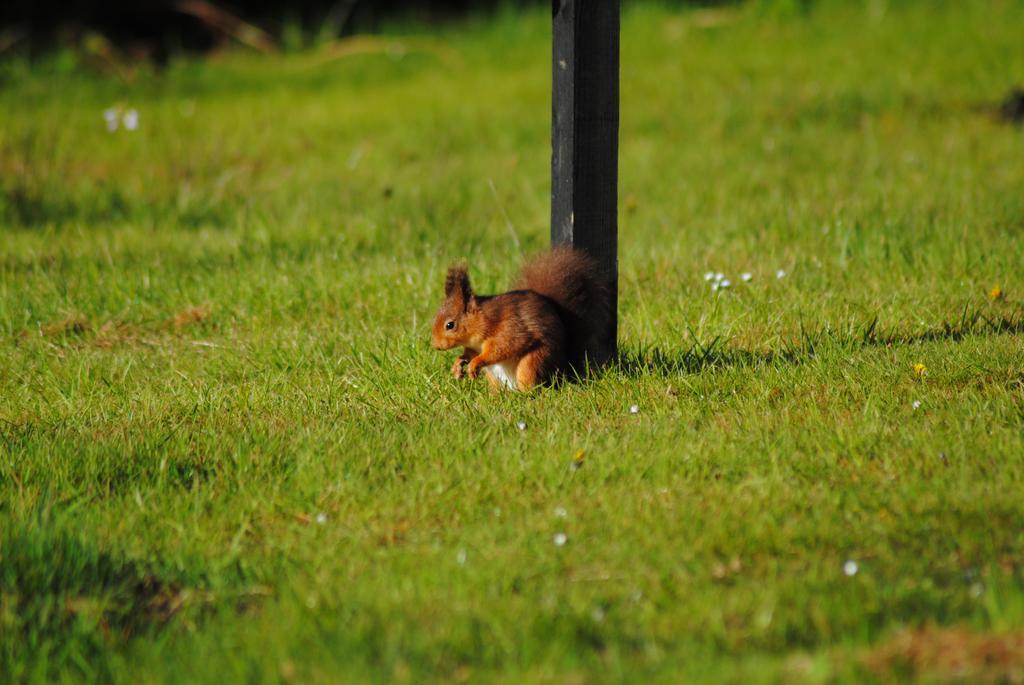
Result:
[[456, 285]]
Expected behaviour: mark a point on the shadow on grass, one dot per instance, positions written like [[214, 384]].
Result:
[[654, 360], [68, 600], [35, 205], [67, 603]]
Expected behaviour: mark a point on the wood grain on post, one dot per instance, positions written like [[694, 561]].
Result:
[[585, 139]]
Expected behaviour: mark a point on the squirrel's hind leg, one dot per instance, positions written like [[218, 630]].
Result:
[[536, 368]]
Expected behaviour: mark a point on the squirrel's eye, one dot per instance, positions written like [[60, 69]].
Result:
[[449, 325]]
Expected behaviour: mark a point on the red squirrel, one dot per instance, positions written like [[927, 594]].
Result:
[[526, 337]]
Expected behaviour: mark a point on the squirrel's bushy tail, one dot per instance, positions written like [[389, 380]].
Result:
[[581, 291]]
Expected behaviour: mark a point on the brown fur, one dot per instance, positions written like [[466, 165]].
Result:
[[541, 328], [573, 281]]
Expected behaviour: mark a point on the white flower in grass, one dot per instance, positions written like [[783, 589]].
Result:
[[560, 539], [719, 276], [780, 274], [131, 120], [714, 287], [321, 518], [521, 425], [110, 116], [635, 409], [746, 276], [724, 283], [709, 275], [916, 404], [850, 568], [561, 513]]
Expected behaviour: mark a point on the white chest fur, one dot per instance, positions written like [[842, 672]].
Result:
[[504, 373]]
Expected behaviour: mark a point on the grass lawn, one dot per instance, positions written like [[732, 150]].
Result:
[[228, 453]]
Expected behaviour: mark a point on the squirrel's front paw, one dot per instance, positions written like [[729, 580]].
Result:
[[457, 367], [474, 369]]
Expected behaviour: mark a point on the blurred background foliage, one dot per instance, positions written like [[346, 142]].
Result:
[[155, 30]]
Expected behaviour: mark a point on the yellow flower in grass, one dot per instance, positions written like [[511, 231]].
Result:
[[996, 293], [920, 369], [577, 460]]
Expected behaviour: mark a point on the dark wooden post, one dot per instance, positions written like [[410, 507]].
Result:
[[585, 138]]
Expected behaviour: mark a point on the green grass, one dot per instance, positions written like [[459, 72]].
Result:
[[214, 329]]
